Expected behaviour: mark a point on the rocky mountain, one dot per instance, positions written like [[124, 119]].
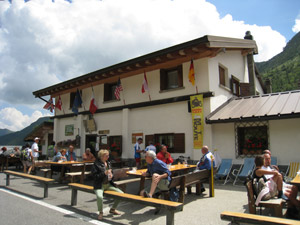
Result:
[[284, 69], [5, 131]]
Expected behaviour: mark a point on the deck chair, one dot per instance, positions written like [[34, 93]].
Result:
[[244, 171], [293, 169], [224, 170], [274, 160]]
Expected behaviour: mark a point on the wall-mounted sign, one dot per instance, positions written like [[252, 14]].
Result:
[[103, 132], [136, 136], [69, 130]]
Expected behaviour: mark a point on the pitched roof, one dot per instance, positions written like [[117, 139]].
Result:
[[272, 106], [206, 46]]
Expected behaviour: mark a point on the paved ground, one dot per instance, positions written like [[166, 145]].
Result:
[[22, 200]]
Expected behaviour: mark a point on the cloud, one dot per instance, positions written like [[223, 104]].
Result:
[[43, 43], [296, 27], [14, 120]]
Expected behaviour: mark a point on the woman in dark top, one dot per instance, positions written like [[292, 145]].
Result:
[[103, 180]]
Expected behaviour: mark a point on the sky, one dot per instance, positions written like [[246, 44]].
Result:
[[45, 42]]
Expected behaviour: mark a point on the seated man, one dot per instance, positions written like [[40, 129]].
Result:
[[164, 155], [267, 151], [205, 161], [88, 156], [160, 174], [71, 156]]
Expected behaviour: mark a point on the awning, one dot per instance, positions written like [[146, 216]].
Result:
[[282, 105]]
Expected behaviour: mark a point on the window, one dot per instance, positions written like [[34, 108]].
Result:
[[109, 92], [235, 86], [251, 138], [223, 76], [72, 97], [175, 142], [171, 78]]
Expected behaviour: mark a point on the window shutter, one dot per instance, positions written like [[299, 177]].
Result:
[[179, 143], [163, 79], [222, 75], [106, 92], [180, 77]]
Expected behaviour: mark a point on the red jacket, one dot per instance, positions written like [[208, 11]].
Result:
[[161, 157]]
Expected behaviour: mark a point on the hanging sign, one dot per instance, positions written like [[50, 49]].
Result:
[[197, 120]]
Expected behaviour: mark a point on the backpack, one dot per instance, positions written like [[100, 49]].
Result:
[[24, 155]]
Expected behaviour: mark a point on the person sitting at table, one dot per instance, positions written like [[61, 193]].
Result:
[[205, 161], [71, 156], [164, 155], [103, 180], [60, 156], [267, 151], [161, 175], [88, 156]]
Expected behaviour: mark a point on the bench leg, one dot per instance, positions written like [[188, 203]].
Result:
[[74, 197], [278, 211], [7, 179], [189, 189], [198, 189], [170, 217], [45, 190]]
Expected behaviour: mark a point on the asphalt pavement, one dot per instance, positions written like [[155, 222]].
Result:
[[22, 203]]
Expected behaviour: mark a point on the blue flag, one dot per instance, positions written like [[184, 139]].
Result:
[[77, 102]]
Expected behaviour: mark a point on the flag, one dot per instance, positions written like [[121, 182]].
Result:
[[58, 103], [93, 106], [77, 102], [118, 89], [49, 105], [145, 84], [192, 73]]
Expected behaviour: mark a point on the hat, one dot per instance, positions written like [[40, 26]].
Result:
[[4, 148], [36, 138]]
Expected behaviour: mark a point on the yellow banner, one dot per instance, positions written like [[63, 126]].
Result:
[[198, 122]]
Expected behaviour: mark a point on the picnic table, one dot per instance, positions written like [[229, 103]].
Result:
[[183, 168], [296, 180], [63, 166]]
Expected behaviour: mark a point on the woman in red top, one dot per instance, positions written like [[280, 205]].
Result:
[[164, 155]]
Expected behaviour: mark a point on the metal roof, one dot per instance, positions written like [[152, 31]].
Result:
[[272, 106]]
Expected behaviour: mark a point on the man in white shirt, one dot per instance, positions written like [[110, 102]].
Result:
[[35, 152]]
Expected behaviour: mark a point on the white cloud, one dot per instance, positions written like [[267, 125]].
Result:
[[43, 43], [296, 27], [14, 120]]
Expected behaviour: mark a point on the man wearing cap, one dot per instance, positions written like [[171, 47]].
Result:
[[35, 152]]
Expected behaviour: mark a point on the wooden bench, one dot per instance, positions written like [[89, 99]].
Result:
[[198, 177], [43, 180], [237, 218], [276, 204], [170, 206]]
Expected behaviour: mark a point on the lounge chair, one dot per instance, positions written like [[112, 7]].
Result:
[[244, 171], [274, 160], [293, 169], [224, 170]]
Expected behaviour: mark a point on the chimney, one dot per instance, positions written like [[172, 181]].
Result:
[[268, 84], [251, 67]]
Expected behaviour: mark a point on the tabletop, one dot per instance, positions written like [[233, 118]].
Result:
[[172, 168], [67, 162], [296, 180]]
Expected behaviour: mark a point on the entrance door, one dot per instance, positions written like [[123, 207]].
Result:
[[90, 142]]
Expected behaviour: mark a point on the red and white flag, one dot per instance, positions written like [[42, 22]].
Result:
[[145, 84], [58, 103], [49, 105], [93, 106], [118, 89]]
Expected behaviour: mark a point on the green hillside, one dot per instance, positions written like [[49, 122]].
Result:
[[284, 68], [17, 138], [5, 131]]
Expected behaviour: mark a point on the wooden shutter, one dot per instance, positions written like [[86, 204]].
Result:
[[163, 79], [179, 143], [222, 75], [106, 92], [180, 76], [148, 138]]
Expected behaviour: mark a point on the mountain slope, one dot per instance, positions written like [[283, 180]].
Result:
[[284, 68], [17, 138], [5, 131]]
